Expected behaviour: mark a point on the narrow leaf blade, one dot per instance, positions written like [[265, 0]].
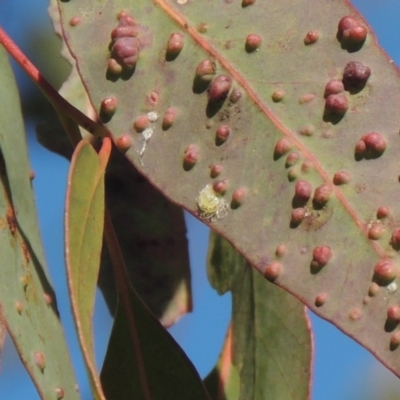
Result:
[[27, 298], [84, 221]]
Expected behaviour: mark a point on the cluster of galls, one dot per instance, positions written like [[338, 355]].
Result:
[[124, 46], [355, 75], [351, 33]]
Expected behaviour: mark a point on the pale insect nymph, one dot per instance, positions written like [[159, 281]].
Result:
[[211, 205]]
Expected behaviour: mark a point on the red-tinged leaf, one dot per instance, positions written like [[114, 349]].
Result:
[[84, 221], [265, 129], [268, 350]]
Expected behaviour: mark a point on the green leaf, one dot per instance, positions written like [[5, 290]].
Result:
[[269, 344], [143, 361], [277, 93], [26, 296], [84, 222]]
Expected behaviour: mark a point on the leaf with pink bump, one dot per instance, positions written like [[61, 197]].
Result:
[[279, 90]]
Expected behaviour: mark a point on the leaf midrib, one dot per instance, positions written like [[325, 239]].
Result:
[[241, 80]]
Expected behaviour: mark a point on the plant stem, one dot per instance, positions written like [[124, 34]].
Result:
[[61, 105]]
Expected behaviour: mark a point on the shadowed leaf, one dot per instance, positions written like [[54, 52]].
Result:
[[263, 95], [26, 296], [152, 236], [147, 356]]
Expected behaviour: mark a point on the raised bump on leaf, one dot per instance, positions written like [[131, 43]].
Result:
[[278, 95], [219, 88], [341, 178], [253, 42], [382, 212], [124, 142], [191, 156], [302, 191], [320, 299], [272, 271], [280, 250], [292, 159], [220, 186], [376, 231], [174, 46], [59, 393], [311, 37], [355, 76], [74, 21], [19, 306], [298, 214], [169, 118], [216, 170], [321, 257], [141, 123], [395, 340], [355, 314], [222, 134], [334, 86], [321, 195], [39, 360], [393, 313], [238, 197], [282, 147], [385, 271]]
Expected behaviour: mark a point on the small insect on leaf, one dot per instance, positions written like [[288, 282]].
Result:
[[212, 206]]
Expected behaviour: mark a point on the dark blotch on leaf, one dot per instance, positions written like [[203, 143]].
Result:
[[355, 76]]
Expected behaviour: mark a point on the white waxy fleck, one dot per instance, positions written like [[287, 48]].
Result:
[[152, 116], [211, 205], [391, 288], [146, 134]]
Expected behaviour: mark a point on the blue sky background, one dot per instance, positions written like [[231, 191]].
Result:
[[343, 369]]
